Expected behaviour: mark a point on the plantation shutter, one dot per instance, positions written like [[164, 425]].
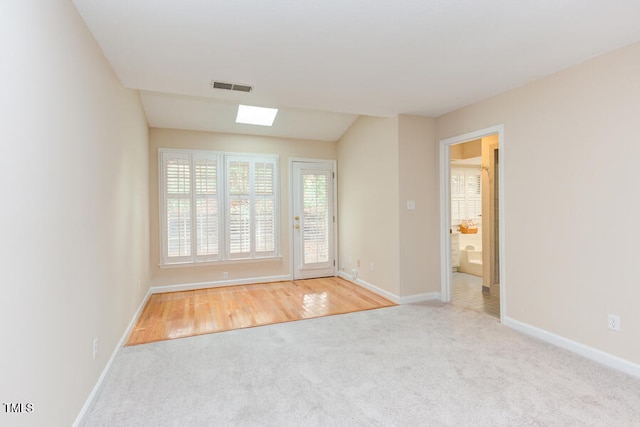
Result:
[[239, 213], [466, 195], [252, 206], [216, 206], [207, 204], [457, 196], [264, 208], [473, 194], [176, 168]]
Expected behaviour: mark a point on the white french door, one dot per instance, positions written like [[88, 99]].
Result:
[[313, 219]]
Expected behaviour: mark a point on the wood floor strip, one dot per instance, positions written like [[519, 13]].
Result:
[[188, 313]]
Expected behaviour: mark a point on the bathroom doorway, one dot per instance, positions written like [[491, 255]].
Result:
[[471, 220]]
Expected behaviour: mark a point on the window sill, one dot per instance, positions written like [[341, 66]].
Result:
[[225, 262]]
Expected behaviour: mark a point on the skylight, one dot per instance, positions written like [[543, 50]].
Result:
[[256, 115]]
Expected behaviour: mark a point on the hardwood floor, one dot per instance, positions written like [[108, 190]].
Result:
[[187, 313]]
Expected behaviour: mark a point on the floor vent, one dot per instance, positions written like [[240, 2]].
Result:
[[231, 86]]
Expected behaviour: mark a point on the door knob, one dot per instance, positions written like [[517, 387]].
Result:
[[297, 226], [297, 218]]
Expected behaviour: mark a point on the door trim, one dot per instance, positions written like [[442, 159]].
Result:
[[445, 212], [289, 222]]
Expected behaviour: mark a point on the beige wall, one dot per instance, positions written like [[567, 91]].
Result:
[[74, 217], [418, 176], [572, 143], [488, 230], [368, 201], [466, 150], [286, 148], [382, 164]]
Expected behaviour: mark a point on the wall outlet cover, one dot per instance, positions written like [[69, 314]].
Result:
[[95, 348], [614, 322]]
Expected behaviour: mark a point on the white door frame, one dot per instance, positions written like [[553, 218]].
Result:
[[445, 212], [335, 211]]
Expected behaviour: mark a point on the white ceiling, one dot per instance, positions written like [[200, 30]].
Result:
[[323, 62]]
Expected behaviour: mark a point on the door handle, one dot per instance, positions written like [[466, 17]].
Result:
[[297, 218], [297, 226]]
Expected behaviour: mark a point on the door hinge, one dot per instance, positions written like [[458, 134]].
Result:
[[334, 218], [334, 175], [334, 262]]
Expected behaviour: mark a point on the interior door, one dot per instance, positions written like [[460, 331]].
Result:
[[313, 219]]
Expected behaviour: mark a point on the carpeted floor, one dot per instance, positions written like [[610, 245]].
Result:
[[430, 364]]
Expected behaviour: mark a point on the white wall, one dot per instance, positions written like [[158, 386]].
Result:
[[73, 213], [572, 143]]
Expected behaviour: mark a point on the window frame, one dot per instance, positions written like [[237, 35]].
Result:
[[223, 199]]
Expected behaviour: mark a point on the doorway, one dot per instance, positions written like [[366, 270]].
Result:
[[313, 218], [472, 214]]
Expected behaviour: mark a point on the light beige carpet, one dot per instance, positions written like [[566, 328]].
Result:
[[431, 365]]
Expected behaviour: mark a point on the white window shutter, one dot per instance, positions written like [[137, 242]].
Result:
[[207, 205], [239, 207], [264, 207], [176, 193], [217, 207], [466, 195]]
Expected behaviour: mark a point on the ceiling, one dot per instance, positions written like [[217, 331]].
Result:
[[324, 62]]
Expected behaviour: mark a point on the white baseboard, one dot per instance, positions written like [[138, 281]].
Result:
[[373, 288], [88, 404], [429, 296], [217, 284], [591, 353], [390, 296]]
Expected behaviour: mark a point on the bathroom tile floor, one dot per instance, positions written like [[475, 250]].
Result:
[[466, 291]]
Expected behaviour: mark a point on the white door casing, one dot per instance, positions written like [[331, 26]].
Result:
[[445, 212]]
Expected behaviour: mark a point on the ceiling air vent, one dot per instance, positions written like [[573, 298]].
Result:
[[231, 86]]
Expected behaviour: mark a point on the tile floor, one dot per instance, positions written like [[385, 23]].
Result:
[[466, 291]]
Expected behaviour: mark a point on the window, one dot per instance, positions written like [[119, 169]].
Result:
[[251, 210], [466, 195], [217, 206]]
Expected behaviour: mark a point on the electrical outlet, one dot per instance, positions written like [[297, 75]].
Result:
[[225, 275], [614, 322], [95, 348], [358, 263], [371, 266]]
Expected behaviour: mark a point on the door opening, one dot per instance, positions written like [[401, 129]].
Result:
[[472, 238]]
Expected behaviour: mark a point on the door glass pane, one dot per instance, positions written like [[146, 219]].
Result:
[[316, 217]]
